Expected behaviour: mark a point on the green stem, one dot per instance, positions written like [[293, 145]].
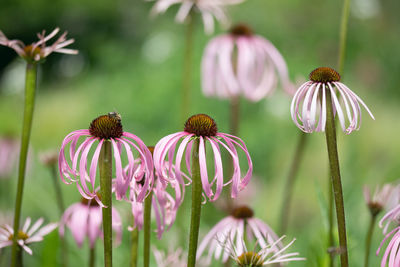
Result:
[[105, 189], [187, 67], [235, 113], [369, 239], [30, 87], [336, 180], [57, 188], [343, 34], [290, 181], [134, 247], [92, 256], [196, 205], [331, 240], [146, 229]]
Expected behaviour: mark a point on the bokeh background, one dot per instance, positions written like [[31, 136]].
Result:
[[132, 63]]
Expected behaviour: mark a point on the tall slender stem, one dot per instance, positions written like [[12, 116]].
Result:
[[369, 239], [336, 180], [196, 205], [187, 67], [134, 247], [92, 256], [343, 34], [290, 181], [105, 189], [235, 114], [146, 229], [30, 88], [331, 240]]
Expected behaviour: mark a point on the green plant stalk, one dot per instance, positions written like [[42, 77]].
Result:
[[369, 239], [105, 189], [134, 247], [331, 239], [343, 34], [147, 229], [92, 256], [187, 67], [196, 205], [290, 181], [330, 132], [30, 88]]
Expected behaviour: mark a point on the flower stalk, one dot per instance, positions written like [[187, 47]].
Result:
[[30, 88], [92, 256], [369, 239], [290, 181], [331, 217], [146, 229], [196, 205], [336, 180], [105, 189], [343, 34], [134, 247]]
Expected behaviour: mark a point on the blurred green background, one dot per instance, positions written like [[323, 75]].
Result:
[[131, 63]]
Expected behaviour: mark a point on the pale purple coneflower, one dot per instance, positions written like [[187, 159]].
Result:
[[38, 51], [208, 9], [26, 235], [238, 226], [243, 63], [173, 259], [204, 128], [308, 108], [392, 252], [381, 198], [9, 151], [49, 158], [267, 255], [84, 219], [102, 129]]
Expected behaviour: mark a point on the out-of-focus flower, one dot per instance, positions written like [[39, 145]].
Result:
[[380, 199], [84, 219], [106, 128], [234, 228], [49, 158], [204, 128], [209, 9], [172, 259], [38, 51], [26, 235], [391, 255], [308, 106], [242, 63], [9, 151], [267, 255]]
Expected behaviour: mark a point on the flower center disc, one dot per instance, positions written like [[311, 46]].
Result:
[[249, 259], [324, 75], [241, 30], [201, 125], [32, 52], [242, 212], [107, 126], [21, 236]]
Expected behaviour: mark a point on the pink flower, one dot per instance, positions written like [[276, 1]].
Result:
[[105, 128], [308, 106], [84, 219], [203, 128], [241, 63], [232, 228], [9, 151], [207, 8], [27, 235], [270, 254], [383, 197], [38, 51], [393, 249], [173, 259]]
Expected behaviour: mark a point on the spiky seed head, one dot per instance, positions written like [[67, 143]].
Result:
[[107, 126], [324, 75], [201, 125], [242, 212]]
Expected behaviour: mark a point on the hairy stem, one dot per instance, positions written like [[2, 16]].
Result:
[[105, 189], [146, 230], [196, 205], [30, 88], [336, 180]]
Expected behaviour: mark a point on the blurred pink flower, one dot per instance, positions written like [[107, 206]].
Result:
[[38, 51], [270, 254], [9, 151], [106, 128], [201, 127], [393, 249], [393, 205], [27, 235], [232, 229], [84, 219], [172, 259], [207, 8], [309, 110], [242, 63], [381, 198]]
